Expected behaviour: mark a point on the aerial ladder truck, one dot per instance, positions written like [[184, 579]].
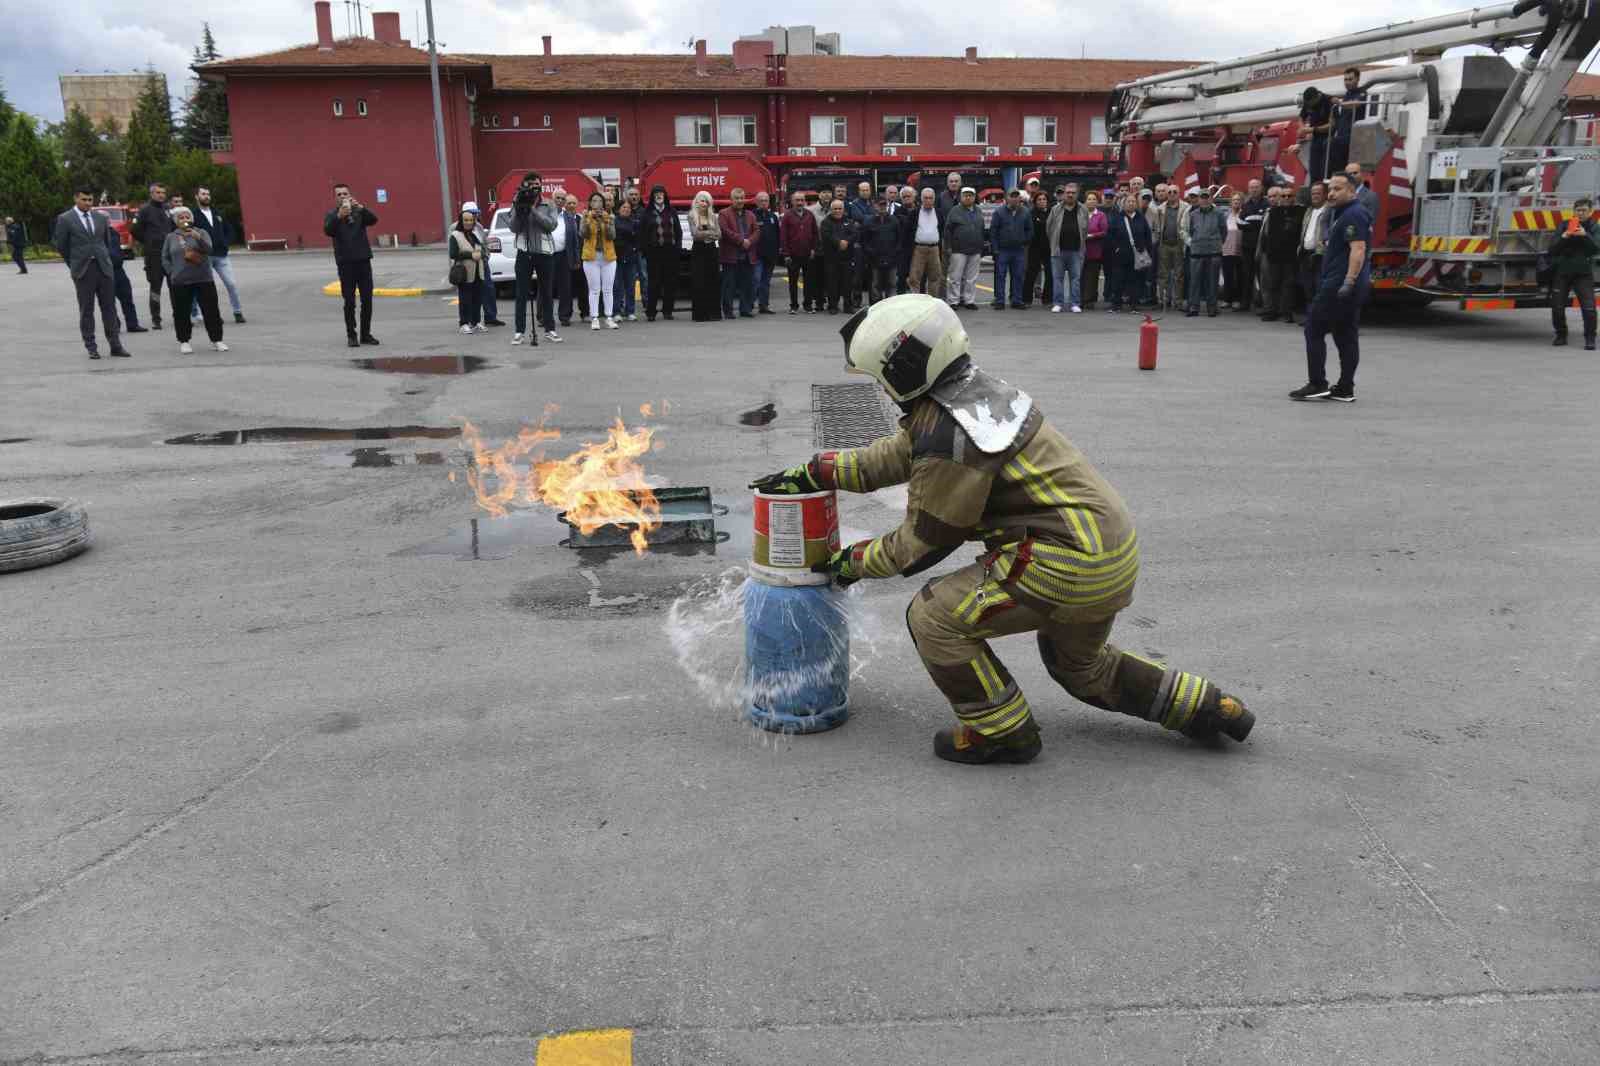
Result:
[[1473, 162]]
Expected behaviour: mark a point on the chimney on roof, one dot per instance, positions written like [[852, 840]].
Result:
[[972, 54], [386, 27], [549, 60], [324, 25], [700, 66], [752, 55]]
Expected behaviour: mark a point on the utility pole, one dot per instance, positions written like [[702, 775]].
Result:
[[438, 119]]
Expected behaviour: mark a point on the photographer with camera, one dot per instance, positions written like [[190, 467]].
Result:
[[598, 231], [533, 220], [347, 225]]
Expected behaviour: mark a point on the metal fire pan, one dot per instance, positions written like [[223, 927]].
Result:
[[687, 517]]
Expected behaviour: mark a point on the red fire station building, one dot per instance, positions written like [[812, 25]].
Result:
[[359, 110]]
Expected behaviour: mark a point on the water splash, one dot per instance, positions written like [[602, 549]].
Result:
[[706, 629]]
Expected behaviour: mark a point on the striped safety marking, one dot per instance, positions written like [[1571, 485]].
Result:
[[1537, 220], [1451, 245], [595, 1047], [1489, 305]]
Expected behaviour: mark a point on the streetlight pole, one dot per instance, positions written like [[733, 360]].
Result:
[[438, 120]]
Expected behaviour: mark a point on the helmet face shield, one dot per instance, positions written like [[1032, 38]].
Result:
[[904, 343]]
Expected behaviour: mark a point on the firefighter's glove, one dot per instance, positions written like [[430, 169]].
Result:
[[1347, 290], [791, 482], [842, 566]]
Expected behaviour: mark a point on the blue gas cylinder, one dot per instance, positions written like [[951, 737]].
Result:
[[797, 657]]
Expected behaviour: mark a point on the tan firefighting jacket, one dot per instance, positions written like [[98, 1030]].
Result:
[[1059, 534]]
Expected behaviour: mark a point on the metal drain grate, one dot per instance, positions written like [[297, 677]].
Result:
[[849, 415]]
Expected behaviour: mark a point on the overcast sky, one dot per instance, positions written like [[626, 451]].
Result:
[[92, 36]]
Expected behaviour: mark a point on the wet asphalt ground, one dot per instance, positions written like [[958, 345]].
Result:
[[288, 775]]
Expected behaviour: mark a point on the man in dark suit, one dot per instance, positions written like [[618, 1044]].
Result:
[[80, 237], [18, 239]]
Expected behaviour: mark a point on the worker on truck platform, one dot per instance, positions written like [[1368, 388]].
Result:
[[1061, 557]]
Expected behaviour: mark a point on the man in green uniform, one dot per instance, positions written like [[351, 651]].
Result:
[[1062, 556]]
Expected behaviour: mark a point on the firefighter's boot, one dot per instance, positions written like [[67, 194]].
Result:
[[1220, 714], [962, 743]]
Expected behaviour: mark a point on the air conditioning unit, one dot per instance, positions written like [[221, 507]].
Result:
[[1026, 149], [808, 150], [890, 150], [796, 151], [993, 149]]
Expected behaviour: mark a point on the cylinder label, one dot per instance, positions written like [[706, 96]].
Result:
[[786, 541]]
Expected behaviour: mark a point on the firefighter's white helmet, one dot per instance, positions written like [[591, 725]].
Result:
[[904, 343]]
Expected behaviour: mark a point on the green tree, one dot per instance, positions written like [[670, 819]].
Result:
[[191, 168], [90, 156], [150, 143], [7, 112], [34, 187], [205, 113]]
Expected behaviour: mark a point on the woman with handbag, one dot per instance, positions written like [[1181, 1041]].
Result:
[[186, 258], [466, 271], [1129, 254]]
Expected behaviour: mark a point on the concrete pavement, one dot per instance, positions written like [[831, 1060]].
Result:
[[278, 786]]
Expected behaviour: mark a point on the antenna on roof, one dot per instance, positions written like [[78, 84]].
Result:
[[690, 42]]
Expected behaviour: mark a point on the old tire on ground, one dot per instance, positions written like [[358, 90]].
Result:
[[38, 531]]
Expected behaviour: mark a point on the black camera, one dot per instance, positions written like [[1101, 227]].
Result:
[[527, 193]]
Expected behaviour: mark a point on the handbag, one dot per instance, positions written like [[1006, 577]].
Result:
[[458, 268], [191, 254], [1141, 258]]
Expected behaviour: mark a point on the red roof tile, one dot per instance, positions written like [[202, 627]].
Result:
[[676, 73], [362, 52]]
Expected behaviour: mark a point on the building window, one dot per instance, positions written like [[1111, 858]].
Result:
[[972, 129], [1097, 131], [599, 132], [828, 130], [692, 131], [737, 130], [899, 129], [338, 109], [1039, 129], [516, 121], [361, 108]]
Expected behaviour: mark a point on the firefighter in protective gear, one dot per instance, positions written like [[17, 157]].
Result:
[[1061, 552]]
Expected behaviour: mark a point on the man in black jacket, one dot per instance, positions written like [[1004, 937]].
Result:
[[150, 228], [1250, 217], [221, 233], [352, 254], [17, 238], [1280, 255]]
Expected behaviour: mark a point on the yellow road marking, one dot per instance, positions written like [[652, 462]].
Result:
[[332, 289], [597, 1047]]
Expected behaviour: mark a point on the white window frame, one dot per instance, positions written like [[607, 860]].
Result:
[[361, 107], [701, 123], [976, 121], [1048, 124], [748, 130], [338, 108], [1097, 130], [911, 128], [838, 127], [610, 129]]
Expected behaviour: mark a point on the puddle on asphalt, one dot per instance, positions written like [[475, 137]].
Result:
[[289, 434], [367, 458], [426, 364], [760, 416]]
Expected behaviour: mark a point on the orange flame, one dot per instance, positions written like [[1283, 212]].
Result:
[[599, 484]]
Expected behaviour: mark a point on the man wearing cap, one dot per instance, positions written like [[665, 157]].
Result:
[[491, 309], [1010, 232], [1166, 226], [963, 240]]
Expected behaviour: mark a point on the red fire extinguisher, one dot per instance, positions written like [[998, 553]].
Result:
[[1148, 333]]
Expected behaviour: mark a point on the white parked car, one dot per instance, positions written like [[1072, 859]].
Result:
[[502, 251]]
